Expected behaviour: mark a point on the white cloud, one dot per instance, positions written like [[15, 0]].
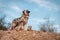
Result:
[[9, 13], [16, 8], [56, 26], [41, 20], [46, 4]]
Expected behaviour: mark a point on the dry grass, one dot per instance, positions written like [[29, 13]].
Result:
[[28, 35]]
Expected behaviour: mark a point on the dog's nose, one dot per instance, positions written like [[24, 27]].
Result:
[[26, 11]]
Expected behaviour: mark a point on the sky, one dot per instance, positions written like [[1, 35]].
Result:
[[39, 11]]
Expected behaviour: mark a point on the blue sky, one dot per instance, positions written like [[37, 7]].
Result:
[[39, 9]]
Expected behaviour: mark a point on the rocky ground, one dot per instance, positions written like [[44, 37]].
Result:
[[28, 35]]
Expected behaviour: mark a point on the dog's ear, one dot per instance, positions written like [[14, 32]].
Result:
[[27, 11]]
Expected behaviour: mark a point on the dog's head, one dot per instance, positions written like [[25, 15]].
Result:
[[26, 12]]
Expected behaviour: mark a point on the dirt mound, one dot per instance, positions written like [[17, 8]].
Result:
[[28, 35]]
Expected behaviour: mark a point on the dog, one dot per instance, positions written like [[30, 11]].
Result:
[[21, 21]]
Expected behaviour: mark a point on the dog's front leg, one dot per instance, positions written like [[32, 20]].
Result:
[[13, 25], [21, 26]]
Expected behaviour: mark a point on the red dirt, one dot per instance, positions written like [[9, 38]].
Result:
[[28, 35]]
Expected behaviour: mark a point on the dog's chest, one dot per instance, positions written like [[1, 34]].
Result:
[[24, 19]]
